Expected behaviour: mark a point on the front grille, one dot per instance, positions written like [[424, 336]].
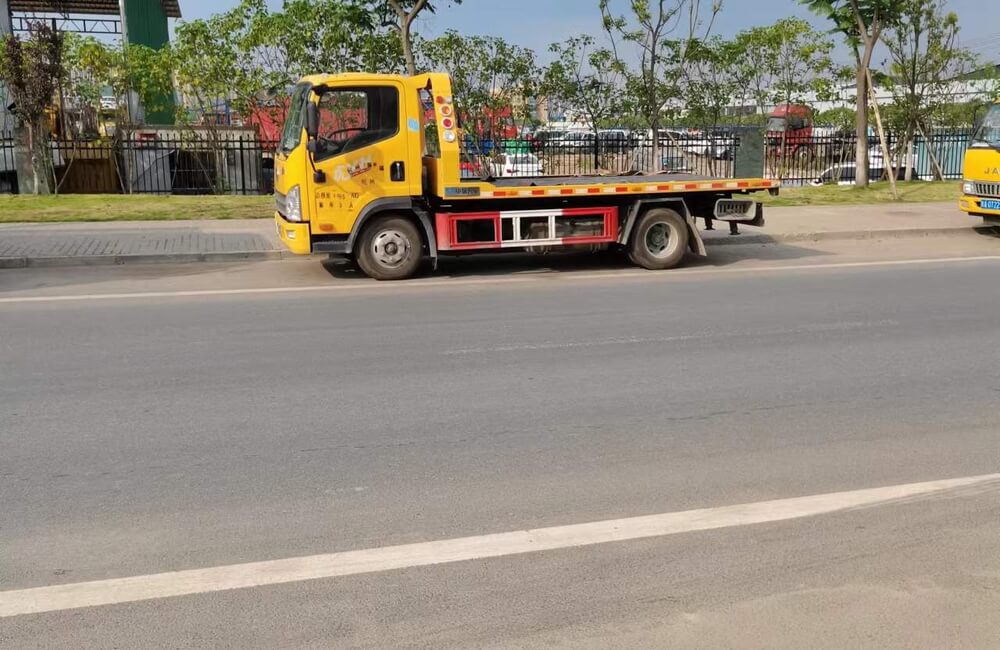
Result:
[[988, 189]]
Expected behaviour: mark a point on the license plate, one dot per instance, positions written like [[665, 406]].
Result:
[[990, 204]]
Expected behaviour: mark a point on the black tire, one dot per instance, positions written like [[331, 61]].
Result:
[[389, 248], [659, 240]]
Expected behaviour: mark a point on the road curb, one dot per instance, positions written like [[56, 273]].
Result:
[[48, 261], [900, 233]]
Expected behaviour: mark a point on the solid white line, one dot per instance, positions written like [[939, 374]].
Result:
[[273, 572], [518, 279]]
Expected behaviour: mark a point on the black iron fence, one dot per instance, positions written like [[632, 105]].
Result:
[[616, 152], [237, 162], [824, 156], [812, 155], [167, 162]]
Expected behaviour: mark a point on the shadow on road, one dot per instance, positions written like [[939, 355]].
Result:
[[520, 262], [722, 253]]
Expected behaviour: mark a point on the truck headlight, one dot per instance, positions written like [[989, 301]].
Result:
[[968, 187], [293, 204]]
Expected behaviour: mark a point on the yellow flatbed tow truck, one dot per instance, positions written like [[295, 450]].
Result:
[[368, 167]]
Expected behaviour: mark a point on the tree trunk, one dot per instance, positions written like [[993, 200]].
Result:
[[909, 158], [886, 154], [407, 42], [656, 164], [936, 164], [861, 126], [33, 153]]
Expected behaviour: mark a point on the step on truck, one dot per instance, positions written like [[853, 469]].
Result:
[[369, 167]]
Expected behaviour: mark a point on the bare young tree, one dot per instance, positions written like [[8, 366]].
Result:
[[590, 81], [400, 14], [862, 22], [924, 56], [31, 69], [662, 31]]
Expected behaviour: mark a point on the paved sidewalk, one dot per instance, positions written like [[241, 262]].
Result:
[[137, 242], [255, 239]]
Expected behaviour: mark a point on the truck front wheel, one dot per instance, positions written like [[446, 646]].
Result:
[[659, 240], [390, 248]]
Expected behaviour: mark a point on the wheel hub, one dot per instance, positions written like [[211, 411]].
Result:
[[390, 248], [658, 240]]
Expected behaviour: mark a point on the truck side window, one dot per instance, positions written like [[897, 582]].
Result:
[[352, 118]]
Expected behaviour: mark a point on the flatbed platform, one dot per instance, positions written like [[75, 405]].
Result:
[[532, 181], [500, 188]]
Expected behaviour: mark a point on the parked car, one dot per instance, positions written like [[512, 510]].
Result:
[[721, 145], [616, 140], [517, 164], [546, 139], [847, 174], [575, 140]]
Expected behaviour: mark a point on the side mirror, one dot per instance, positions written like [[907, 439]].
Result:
[[312, 120]]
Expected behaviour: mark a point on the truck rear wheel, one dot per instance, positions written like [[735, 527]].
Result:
[[390, 248], [659, 240]]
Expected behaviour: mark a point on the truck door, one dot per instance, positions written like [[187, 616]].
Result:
[[361, 152]]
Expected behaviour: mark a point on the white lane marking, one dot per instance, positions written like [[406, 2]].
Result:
[[635, 340], [347, 563], [511, 279]]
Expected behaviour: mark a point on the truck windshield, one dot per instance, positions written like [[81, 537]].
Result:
[[776, 124], [292, 131], [988, 134]]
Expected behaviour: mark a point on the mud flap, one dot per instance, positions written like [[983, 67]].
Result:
[[695, 242]]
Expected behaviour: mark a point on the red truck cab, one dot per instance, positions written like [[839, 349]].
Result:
[[789, 128]]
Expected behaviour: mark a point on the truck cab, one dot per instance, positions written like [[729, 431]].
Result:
[[981, 170], [364, 149], [790, 129]]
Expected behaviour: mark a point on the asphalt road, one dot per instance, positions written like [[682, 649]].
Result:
[[150, 434]]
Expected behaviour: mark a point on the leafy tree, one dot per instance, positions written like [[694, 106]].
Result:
[[125, 68], [924, 57], [780, 63], [587, 79], [250, 53], [755, 58], [490, 78], [862, 22], [31, 70], [710, 79], [842, 118], [332, 36], [802, 61], [230, 56], [661, 32]]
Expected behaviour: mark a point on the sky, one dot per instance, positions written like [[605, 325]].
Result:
[[536, 23]]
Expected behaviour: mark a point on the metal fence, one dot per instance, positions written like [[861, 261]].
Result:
[[796, 158], [156, 163], [237, 162], [570, 154], [808, 157]]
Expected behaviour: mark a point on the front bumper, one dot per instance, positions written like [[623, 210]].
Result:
[[295, 236]]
